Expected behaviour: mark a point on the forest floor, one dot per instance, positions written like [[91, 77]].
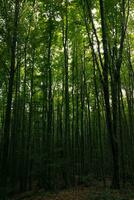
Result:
[[94, 192]]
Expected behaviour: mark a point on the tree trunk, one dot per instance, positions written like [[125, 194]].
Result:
[[4, 164]]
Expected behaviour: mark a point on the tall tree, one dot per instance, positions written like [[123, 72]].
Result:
[[4, 163]]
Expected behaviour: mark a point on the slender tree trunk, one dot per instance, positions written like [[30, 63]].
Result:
[[4, 164], [111, 126], [66, 97]]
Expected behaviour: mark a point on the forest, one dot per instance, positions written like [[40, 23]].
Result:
[[67, 99]]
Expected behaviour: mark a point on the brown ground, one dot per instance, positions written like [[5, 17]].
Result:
[[80, 193]]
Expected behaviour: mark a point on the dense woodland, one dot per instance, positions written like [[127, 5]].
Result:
[[66, 93]]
